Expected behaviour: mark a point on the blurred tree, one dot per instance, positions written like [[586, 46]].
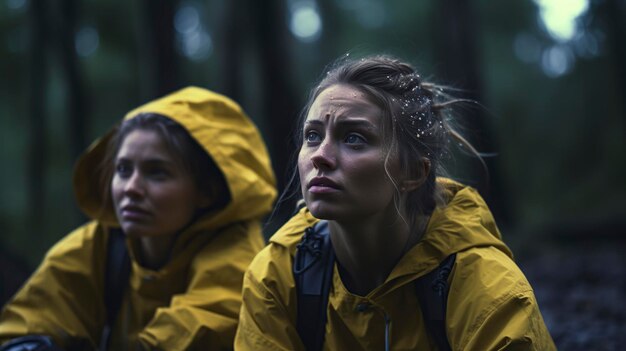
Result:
[[158, 39], [278, 103], [235, 26], [330, 28], [272, 36], [613, 13], [37, 155], [77, 96], [455, 24]]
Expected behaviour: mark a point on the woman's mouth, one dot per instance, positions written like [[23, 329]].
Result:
[[322, 185], [133, 213]]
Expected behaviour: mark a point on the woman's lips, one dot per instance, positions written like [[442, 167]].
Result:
[[322, 185], [133, 213], [320, 189]]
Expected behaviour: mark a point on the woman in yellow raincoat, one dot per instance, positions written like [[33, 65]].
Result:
[[185, 179], [373, 138]]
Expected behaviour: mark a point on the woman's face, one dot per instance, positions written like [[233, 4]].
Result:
[[152, 193], [341, 161]]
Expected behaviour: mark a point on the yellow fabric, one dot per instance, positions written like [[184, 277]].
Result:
[[491, 305], [191, 303]]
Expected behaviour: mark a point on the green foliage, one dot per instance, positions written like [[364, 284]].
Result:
[[560, 140]]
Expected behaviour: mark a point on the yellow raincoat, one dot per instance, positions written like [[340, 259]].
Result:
[[491, 305], [193, 302]]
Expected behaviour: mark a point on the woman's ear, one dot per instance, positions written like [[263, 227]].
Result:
[[414, 183]]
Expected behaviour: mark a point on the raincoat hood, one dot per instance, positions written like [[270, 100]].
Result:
[[221, 127], [464, 222]]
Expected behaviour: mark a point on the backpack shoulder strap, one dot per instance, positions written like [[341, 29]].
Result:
[[117, 272], [313, 272], [432, 294]]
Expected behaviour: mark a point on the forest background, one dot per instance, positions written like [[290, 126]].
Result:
[[550, 76]]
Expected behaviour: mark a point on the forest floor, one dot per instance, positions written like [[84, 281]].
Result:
[[581, 291]]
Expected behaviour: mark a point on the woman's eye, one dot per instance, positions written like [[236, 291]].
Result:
[[355, 139], [312, 137], [123, 170], [158, 173]]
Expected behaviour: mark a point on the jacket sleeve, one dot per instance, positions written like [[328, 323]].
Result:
[[499, 310], [268, 314], [514, 324], [205, 316], [63, 297]]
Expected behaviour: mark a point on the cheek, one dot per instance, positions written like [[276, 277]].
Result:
[[302, 167], [180, 200], [116, 190], [369, 174]]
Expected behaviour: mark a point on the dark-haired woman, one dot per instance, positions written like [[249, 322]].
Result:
[[372, 140], [184, 181]]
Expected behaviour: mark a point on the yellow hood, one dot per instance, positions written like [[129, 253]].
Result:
[[228, 136], [465, 222]]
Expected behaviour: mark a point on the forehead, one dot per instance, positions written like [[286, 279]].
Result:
[[343, 101], [143, 143]]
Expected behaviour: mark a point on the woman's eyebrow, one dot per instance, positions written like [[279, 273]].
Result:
[[356, 123], [149, 161], [344, 123], [315, 122]]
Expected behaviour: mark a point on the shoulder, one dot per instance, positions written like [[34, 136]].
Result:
[[272, 268], [487, 287], [234, 245], [486, 277], [239, 236], [488, 267], [82, 241], [290, 234]]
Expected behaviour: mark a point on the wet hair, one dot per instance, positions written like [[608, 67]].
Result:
[[185, 149], [416, 122]]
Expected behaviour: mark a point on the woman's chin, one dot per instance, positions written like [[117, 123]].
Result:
[[135, 230], [321, 212]]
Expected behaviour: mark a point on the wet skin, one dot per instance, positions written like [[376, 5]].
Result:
[[341, 161]]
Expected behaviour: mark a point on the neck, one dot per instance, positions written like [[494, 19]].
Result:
[[368, 250], [155, 252]]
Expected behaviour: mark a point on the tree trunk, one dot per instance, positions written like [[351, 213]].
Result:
[[37, 155], [160, 39], [612, 12], [233, 27], [77, 97], [280, 110], [457, 57]]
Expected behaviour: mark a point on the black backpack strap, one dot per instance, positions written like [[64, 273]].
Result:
[[117, 272], [313, 273], [31, 343], [432, 293]]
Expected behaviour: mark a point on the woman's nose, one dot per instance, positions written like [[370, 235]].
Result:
[[324, 156], [134, 186]]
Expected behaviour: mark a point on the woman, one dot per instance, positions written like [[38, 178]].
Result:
[[372, 141], [185, 179]]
